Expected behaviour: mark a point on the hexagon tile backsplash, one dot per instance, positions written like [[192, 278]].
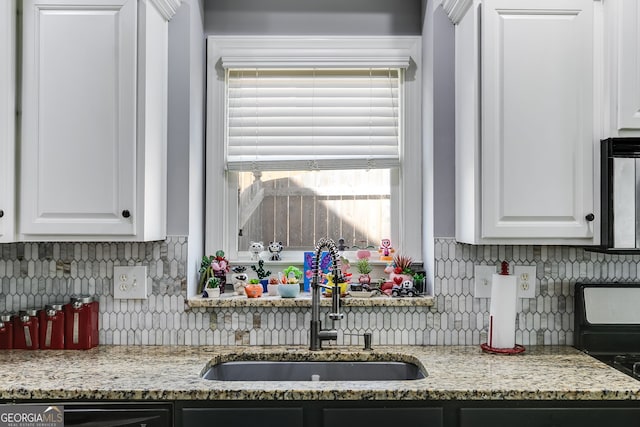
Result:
[[35, 274]]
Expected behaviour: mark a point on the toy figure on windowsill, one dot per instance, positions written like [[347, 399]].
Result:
[[213, 266], [239, 279], [220, 267], [255, 249], [341, 245], [345, 265], [262, 274], [401, 277], [274, 249], [385, 250]]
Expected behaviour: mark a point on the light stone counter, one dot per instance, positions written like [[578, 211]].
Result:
[[227, 300], [173, 373]]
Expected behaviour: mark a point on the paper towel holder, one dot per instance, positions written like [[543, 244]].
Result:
[[503, 313], [518, 348]]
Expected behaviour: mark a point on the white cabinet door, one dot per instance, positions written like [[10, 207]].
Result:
[[7, 118], [78, 152], [537, 119], [626, 28]]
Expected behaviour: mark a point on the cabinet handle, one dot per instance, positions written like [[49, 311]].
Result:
[[590, 217], [126, 213], [1, 213]]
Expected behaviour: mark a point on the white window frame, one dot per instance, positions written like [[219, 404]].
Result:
[[336, 51]]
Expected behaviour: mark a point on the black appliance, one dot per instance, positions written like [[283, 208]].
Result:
[[607, 324], [620, 195]]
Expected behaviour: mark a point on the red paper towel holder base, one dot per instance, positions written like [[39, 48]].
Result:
[[507, 351]]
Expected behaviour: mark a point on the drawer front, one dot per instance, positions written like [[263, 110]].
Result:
[[383, 417], [549, 417]]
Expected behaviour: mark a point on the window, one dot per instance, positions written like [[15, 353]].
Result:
[[309, 138], [299, 207]]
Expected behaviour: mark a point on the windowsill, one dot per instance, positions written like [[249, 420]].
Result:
[[304, 300], [297, 258]]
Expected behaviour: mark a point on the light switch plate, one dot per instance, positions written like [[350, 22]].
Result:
[[526, 280], [130, 282], [482, 280]]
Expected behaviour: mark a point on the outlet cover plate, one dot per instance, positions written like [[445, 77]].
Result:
[[482, 280], [526, 280], [130, 282]]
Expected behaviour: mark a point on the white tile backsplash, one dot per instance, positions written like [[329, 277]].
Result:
[[35, 274]]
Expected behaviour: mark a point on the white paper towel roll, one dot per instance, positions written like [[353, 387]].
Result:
[[502, 312]]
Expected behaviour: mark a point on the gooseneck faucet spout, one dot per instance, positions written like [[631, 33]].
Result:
[[317, 333]]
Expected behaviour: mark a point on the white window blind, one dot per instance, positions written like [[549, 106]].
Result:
[[298, 119]]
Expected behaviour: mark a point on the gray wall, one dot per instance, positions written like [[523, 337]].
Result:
[[313, 17], [178, 124], [185, 130], [443, 125], [185, 162]]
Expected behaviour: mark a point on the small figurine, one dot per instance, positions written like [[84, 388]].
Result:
[[404, 289], [239, 279], [341, 246], [274, 249], [385, 250], [220, 267], [256, 248], [239, 283], [345, 265], [260, 271], [213, 266], [220, 263]]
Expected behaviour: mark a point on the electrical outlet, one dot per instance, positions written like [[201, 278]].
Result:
[[526, 280], [482, 280], [130, 282]]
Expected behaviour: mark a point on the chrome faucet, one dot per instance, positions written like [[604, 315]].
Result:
[[317, 333]]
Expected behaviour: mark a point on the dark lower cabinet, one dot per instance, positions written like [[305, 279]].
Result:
[[549, 417], [346, 413], [259, 417], [382, 417], [311, 416], [408, 413], [307, 414]]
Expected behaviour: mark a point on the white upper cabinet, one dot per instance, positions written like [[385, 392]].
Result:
[[93, 150], [79, 130], [623, 60], [525, 135], [7, 119]]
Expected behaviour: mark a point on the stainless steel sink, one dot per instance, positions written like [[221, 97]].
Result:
[[254, 370]]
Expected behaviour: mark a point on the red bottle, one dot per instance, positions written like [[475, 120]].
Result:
[[6, 332], [51, 322], [25, 330], [81, 323]]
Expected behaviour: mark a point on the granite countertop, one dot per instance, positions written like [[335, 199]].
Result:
[[228, 299], [174, 373]]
